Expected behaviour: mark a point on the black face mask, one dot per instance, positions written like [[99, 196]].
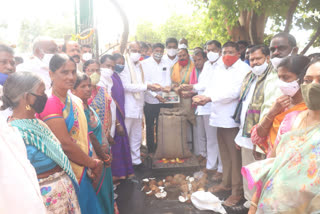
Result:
[[39, 103]]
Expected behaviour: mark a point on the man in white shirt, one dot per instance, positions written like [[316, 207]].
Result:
[[157, 71], [7, 67], [251, 100], [43, 50], [134, 85], [206, 143], [172, 51], [223, 92]]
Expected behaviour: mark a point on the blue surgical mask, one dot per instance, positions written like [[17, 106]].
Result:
[[3, 78], [119, 68]]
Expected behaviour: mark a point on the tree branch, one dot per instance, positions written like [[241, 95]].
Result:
[[292, 8], [313, 39], [125, 33]]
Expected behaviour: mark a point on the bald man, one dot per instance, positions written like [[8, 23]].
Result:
[[43, 50], [134, 86]]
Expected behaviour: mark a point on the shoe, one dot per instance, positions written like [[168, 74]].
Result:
[[233, 200], [217, 177], [218, 188]]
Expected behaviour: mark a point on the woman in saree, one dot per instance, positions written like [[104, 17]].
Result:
[[104, 189], [65, 117], [289, 180], [291, 71], [58, 183]]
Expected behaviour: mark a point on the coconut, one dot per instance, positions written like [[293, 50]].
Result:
[[152, 182], [191, 179], [184, 188], [182, 199], [146, 180], [161, 194], [160, 183], [169, 178], [149, 193], [167, 184]]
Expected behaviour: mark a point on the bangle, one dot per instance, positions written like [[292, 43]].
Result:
[[108, 159], [260, 124], [253, 204], [268, 118]]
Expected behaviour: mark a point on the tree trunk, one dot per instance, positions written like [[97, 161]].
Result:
[[313, 39], [241, 30], [125, 34], [257, 25], [292, 8]]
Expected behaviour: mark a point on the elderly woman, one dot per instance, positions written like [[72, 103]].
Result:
[[291, 71], [288, 181], [66, 118], [104, 189], [57, 181]]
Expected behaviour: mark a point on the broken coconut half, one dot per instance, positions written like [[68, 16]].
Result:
[[183, 199], [161, 194]]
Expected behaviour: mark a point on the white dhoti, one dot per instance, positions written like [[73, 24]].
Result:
[[134, 129]]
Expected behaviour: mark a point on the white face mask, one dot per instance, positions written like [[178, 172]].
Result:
[[172, 52], [46, 58], [87, 56], [105, 78], [106, 72], [259, 69], [213, 56], [276, 61], [289, 88], [182, 46], [135, 57]]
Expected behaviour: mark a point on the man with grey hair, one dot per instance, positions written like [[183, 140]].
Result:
[[7, 67], [134, 86], [43, 50]]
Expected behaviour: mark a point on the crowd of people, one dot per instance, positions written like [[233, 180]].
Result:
[[72, 124]]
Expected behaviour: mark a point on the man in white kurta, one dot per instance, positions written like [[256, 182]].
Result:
[[134, 85]]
